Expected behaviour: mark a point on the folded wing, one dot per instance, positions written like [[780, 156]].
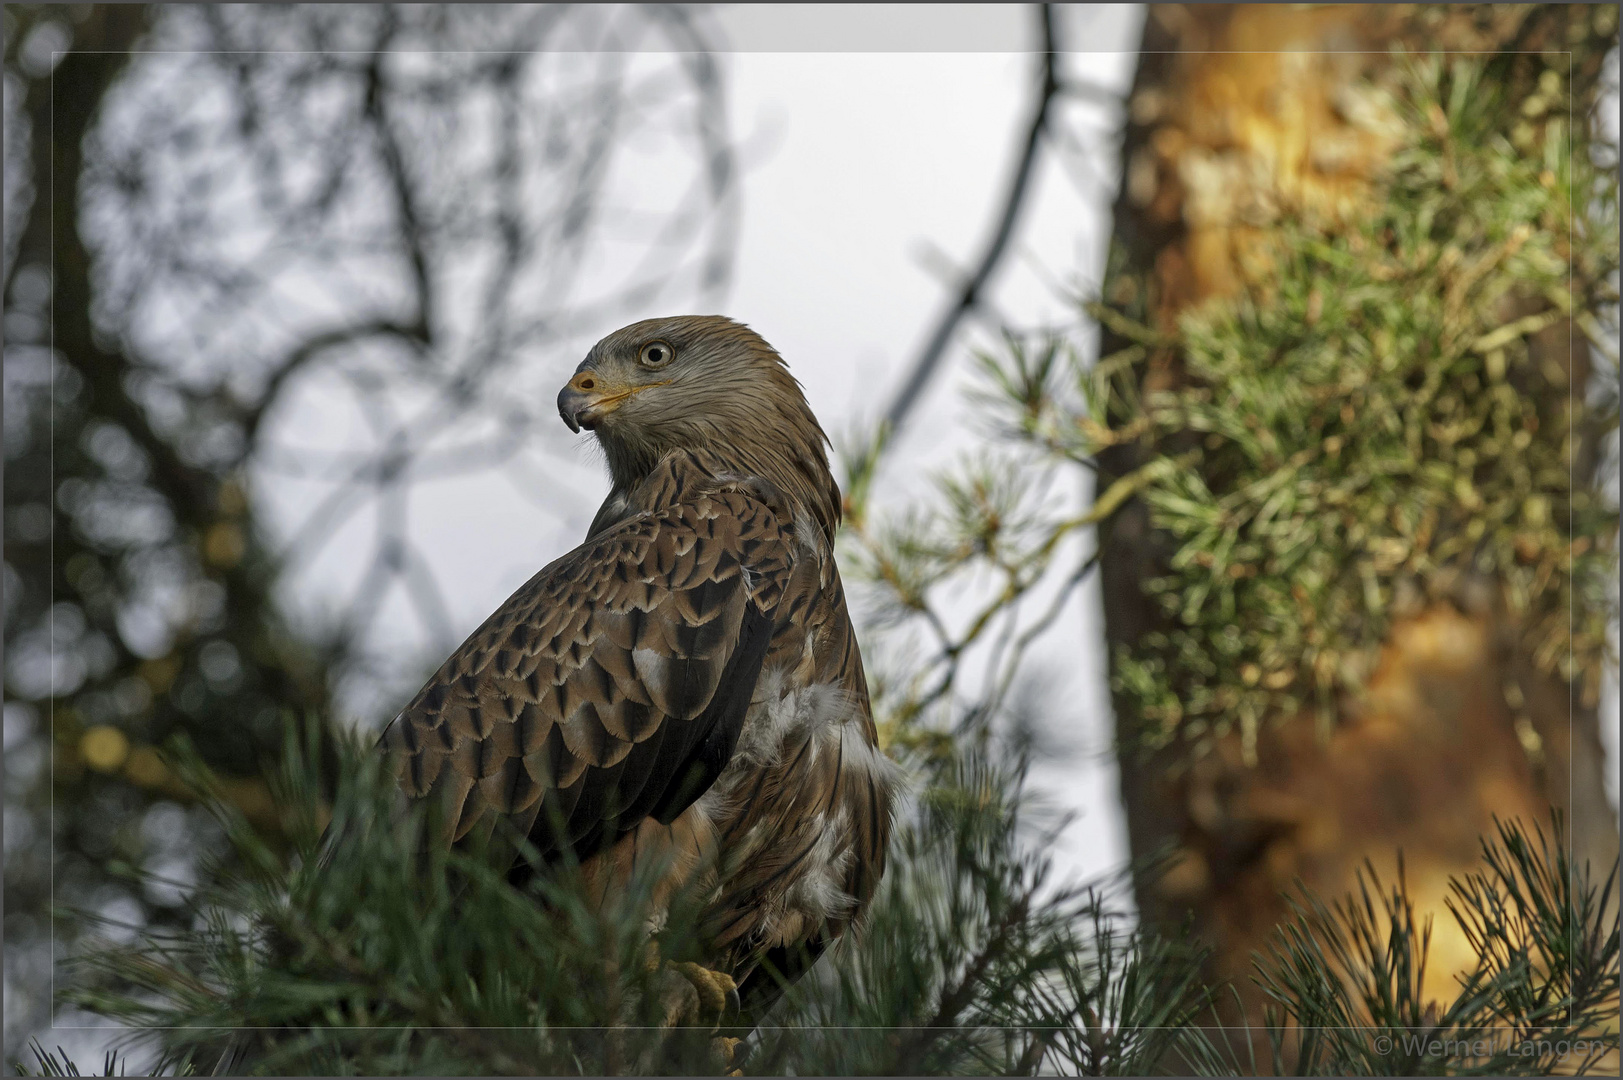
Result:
[[611, 687]]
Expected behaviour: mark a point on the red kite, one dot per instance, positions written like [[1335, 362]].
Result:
[[685, 686]]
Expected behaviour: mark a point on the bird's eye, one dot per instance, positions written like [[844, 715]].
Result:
[[655, 354]]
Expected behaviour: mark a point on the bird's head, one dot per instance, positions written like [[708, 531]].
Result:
[[702, 383]]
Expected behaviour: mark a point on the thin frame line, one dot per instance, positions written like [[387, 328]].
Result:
[[57, 56]]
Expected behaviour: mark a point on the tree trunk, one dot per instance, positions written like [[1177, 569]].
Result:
[[1240, 118]]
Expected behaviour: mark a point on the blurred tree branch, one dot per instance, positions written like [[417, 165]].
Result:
[[970, 297], [257, 212]]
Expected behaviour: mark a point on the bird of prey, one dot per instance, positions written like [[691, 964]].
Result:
[[685, 686]]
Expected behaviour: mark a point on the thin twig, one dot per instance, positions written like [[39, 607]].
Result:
[[969, 298]]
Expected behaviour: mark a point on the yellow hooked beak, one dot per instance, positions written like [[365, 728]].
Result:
[[586, 399]]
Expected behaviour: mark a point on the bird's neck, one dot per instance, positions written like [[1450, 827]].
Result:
[[644, 481]]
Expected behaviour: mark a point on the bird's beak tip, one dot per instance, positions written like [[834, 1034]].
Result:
[[571, 403]]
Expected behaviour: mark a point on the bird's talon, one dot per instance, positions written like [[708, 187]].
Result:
[[727, 1050], [716, 989]]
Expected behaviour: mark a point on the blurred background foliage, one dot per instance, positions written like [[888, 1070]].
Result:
[[258, 196], [1374, 423], [1361, 326], [1390, 397]]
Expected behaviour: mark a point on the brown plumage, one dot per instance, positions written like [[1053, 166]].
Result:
[[685, 686]]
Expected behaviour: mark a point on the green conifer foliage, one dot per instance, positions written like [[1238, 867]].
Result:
[[1373, 427]]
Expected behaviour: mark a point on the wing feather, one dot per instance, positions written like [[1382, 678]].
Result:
[[612, 685]]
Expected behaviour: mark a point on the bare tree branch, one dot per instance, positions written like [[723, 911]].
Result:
[[970, 296]]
